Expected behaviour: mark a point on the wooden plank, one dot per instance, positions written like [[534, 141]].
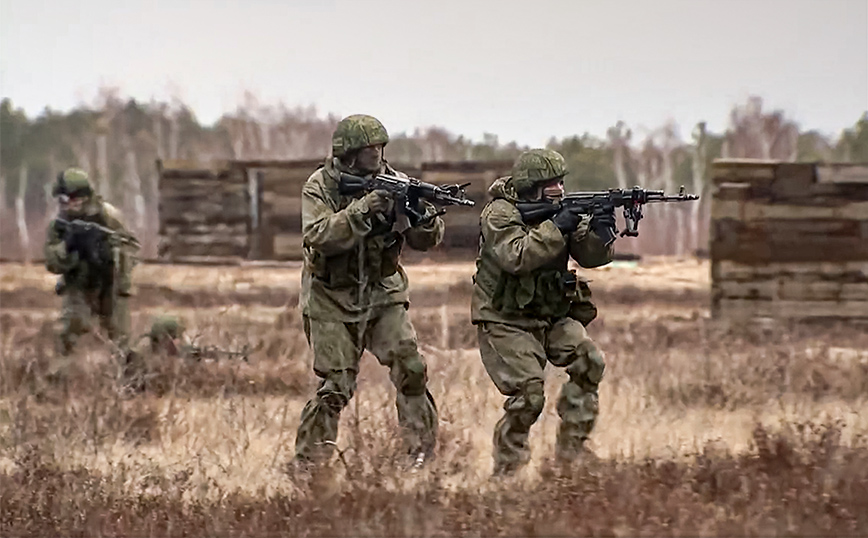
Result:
[[853, 271], [743, 171], [746, 309], [794, 182], [758, 289], [753, 210], [288, 246], [843, 173], [788, 241], [198, 228]]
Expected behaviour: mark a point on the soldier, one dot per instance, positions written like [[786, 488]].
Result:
[[92, 250], [529, 309], [354, 293]]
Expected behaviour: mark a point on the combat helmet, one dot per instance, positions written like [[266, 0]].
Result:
[[535, 167], [72, 182], [165, 327], [356, 132]]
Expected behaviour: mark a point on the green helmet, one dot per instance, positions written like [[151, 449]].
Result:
[[72, 182], [356, 132], [537, 166], [166, 327]]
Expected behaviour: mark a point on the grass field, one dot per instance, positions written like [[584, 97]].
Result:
[[704, 429]]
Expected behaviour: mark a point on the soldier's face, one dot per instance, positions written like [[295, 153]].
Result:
[[73, 205], [369, 159], [554, 190]]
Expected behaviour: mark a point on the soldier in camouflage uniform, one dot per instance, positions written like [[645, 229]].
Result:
[[355, 293], [95, 267], [529, 309]]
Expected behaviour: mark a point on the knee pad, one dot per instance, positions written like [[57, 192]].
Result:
[[414, 378], [527, 405], [336, 390], [588, 367]]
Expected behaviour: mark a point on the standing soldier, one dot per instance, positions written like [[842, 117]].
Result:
[[89, 246], [529, 309], [354, 293]]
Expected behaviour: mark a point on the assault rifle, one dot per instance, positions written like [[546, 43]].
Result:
[[98, 230], [408, 191], [588, 203], [212, 352]]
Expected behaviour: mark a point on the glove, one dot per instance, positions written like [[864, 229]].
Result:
[[378, 201], [566, 221], [604, 219], [75, 239]]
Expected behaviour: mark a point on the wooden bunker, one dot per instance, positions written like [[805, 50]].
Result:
[[789, 240], [228, 211]]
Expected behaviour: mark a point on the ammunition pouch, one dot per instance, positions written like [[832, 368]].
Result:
[[545, 294], [381, 256], [542, 294], [583, 308]]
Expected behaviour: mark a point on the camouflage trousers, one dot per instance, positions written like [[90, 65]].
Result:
[[515, 359], [337, 348], [78, 309]]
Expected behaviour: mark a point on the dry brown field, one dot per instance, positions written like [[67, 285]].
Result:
[[705, 429]]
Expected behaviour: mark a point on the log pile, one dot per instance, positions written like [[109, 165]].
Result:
[[789, 240], [462, 223], [204, 212]]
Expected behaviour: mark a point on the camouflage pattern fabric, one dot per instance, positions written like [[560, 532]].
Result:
[[354, 297], [515, 359], [356, 132], [519, 332], [535, 167], [390, 336]]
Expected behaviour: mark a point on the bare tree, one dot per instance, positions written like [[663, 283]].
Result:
[[699, 181], [21, 213], [758, 135], [619, 138]]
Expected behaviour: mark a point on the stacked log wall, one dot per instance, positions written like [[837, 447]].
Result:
[[204, 212], [789, 240]]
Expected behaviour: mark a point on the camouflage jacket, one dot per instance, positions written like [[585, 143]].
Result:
[[519, 267], [77, 272], [351, 261]]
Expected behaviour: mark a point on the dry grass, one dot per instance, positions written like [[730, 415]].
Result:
[[702, 431]]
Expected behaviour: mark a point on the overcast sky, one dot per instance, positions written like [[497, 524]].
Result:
[[524, 70]]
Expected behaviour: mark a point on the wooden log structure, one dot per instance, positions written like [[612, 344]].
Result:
[[789, 240]]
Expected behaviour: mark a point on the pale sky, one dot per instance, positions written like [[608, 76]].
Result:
[[522, 70]]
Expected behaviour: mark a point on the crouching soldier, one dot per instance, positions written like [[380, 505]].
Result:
[[530, 310]]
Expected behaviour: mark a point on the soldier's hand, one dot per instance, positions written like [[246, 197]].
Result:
[[603, 219], [378, 201], [566, 220], [75, 239]]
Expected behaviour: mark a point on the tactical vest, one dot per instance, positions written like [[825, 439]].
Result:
[[377, 256], [551, 291]]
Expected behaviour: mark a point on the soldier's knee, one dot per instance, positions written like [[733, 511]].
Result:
[[588, 367], [414, 376], [528, 404], [337, 389]]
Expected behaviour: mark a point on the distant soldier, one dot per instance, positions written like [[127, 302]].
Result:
[[89, 246], [354, 292], [529, 309]]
